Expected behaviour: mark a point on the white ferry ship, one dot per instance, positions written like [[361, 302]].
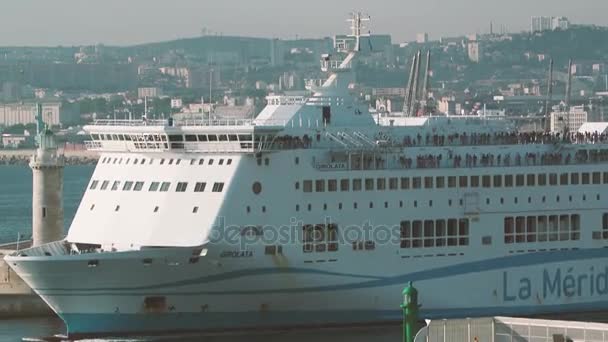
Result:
[[317, 212]]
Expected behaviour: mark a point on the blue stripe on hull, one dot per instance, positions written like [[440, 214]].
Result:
[[164, 323]]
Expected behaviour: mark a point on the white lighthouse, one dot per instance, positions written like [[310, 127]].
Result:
[[47, 200]]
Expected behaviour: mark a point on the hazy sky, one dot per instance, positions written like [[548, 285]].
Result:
[[123, 22]]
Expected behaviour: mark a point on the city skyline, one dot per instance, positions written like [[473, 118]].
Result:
[[71, 22]]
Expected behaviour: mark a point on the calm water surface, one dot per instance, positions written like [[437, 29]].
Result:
[[16, 198]]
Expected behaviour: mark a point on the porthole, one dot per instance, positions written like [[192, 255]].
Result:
[[257, 188]]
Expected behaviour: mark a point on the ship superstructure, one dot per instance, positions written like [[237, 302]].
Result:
[[317, 212]]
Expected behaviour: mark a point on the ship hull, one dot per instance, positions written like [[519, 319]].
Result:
[[208, 297]]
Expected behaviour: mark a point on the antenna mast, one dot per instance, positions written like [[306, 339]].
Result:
[[568, 94], [549, 96], [356, 27]]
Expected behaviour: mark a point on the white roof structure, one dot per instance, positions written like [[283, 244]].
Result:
[[508, 329], [592, 127]]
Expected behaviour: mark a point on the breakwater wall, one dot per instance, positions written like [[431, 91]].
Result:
[[72, 157]]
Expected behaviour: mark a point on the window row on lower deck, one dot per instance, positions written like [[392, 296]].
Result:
[[439, 182], [542, 228], [435, 233]]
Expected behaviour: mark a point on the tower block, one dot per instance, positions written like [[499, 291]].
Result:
[[47, 191]]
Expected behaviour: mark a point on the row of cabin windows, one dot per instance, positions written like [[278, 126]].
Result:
[[154, 186], [414, 203], [524, 229], [320, 238], [485, 181], [156, 208], [173, 137], [163, 161], [434, 233]]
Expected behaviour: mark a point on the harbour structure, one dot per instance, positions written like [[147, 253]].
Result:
[[47, 188], [317, 213], [16, 298], [505, 329]]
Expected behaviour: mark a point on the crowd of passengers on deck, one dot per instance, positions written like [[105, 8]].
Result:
[[425, 161], [503, 138], [457, 139]]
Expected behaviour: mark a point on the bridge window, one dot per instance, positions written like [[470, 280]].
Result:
[[115, 185], [585, 178], [93, 185], [138, 186], [563, 179], [190, 137], [174, 138], [154, 186], [181, 187], [440, 182], [164, 187], [218, 187], [128, 185]]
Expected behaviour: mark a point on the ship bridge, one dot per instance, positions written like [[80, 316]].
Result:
[[205, 135]]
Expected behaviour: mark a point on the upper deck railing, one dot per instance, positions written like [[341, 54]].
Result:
[[190, 123]]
